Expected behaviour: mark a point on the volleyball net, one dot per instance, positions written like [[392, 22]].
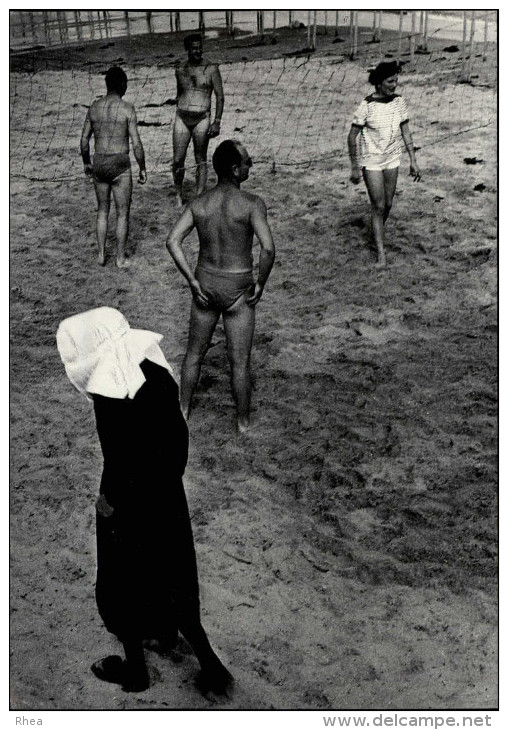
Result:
[[292, 110]]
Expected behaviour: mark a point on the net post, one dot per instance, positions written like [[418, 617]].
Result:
[[202, 22], [399, 47], [326, 22], [471, 47], [425, 29], [336, 23], [177, 21], [485, 34], [314, 31], [412, 38], [308, 28]]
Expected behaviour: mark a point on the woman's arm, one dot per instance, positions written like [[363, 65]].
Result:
[[414, 170], [356, 174]]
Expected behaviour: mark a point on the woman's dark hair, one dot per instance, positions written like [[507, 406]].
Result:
[[192, 38], [383, 71], [116, 79], [225, 157]]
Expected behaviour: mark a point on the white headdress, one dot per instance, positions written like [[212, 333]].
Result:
[[102, 354]]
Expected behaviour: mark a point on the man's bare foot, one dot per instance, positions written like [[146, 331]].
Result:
[[101, 259], [380, 263], [123, 263], [243, 427]]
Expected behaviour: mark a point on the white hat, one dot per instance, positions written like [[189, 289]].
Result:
[[102, 354]]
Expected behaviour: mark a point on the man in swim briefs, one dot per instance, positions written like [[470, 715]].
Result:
[[226, 219], [196, 79], [112, 121]]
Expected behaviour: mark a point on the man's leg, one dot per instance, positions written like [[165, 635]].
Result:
[[239, 322], [122, 193], [201, 328], [200, 141], [390, 180], [181, 139], [103, 193], [374, 180]]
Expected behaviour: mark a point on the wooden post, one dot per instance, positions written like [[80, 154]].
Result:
[[336, 23], [471, 46], [326, 22], [351, 34], [421, 21], [149, 21], [308, 28], [290, 20], [262, 22], [380, 26], [177, 21], [399, 48], [274, 23], [33, 26], [232, 21], [91, 24], [314, 31], [485, 35], [425, 30], [201, 22], [464, 33], [412, 38]]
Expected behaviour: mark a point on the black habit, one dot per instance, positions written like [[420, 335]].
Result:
[[146, 565]]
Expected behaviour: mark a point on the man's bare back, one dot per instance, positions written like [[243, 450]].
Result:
[[223, 220], [112, 122], [110, 117], [226, 220]]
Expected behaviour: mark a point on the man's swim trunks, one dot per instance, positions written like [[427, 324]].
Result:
[[192, 119], [223, 288], [107, 168]]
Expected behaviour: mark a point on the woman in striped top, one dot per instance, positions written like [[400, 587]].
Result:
[[382, 122]]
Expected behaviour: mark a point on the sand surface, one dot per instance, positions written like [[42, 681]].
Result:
[[347, 548]]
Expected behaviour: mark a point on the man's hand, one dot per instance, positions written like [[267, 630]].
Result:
[[256, 296], [199, 296], [356, 175], [142, 178], [89, 169], [415, 173], [214, 129]]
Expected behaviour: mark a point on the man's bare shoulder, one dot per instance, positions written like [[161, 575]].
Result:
[[255, 201]]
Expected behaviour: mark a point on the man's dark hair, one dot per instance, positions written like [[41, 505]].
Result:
[[192, 38], [225, 157], [116, 79]]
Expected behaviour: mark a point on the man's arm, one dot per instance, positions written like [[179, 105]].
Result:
[[85, 144], [267, 254], [356, 175], [214, 130], [181, 230], [414, 170], [137, 146]]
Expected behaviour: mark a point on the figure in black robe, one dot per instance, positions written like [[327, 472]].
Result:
[[147, 582]]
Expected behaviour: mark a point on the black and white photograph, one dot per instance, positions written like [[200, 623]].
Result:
[[280, 495]]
